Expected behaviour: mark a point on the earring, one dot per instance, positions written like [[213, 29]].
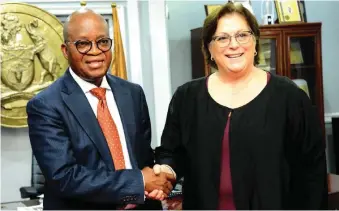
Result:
[[255, 53], [212, 58]]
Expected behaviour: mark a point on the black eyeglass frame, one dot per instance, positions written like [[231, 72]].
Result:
[[76, 43], [235, 37]]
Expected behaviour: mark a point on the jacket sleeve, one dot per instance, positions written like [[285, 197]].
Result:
[[171, 151], [308, 173], [64, 175]]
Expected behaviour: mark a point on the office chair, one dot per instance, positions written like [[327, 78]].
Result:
[[37, 182]]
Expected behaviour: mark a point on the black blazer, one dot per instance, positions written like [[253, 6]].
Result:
[[72, 152], [277, 151]]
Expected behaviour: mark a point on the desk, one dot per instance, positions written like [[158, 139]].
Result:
[[16, 204]]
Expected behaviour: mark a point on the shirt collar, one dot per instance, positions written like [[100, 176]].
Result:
[[87, 86]]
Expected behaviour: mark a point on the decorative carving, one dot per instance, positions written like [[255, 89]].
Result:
[[16, 58], [30, 58], [48, 60]]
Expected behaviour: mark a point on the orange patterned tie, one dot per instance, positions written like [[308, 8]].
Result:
[[109, 128]]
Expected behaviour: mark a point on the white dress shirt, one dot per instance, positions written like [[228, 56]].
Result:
[[112, 107]]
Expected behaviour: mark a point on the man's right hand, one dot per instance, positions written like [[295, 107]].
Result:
[[161, 182]]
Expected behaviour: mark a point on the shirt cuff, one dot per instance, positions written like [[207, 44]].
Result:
[[143, 180]]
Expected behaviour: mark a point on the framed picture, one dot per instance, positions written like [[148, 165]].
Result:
[[210, 8], [288, 11], [302, 10]]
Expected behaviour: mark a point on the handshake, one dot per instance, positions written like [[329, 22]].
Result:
[[158, 181]]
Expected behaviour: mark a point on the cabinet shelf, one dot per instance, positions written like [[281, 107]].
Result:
[[298, 66]]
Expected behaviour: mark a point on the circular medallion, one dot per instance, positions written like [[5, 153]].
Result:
[[30, 58]]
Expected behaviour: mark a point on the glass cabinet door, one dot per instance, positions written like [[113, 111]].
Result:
[[267, 55], [303, 64]]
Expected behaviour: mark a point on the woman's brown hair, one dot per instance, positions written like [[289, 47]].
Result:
[[211, 23]]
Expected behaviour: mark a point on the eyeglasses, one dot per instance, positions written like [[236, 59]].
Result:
[[84, 46], [242, 37]]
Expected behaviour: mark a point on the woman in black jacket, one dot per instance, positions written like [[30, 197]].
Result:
[[243, 138]]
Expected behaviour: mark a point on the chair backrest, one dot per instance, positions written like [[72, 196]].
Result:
[[38, 179]]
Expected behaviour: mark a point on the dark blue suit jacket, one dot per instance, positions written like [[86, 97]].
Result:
[[72, 152]]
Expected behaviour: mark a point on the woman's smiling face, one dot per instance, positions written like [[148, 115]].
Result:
[[235, 56]]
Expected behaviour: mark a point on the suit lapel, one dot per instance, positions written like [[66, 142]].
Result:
[[77, 102], [124, 103]]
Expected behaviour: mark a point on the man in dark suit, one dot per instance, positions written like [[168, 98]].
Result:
[[90, 131]]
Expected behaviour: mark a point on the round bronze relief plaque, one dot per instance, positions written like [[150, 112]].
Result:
[[30, 58]]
